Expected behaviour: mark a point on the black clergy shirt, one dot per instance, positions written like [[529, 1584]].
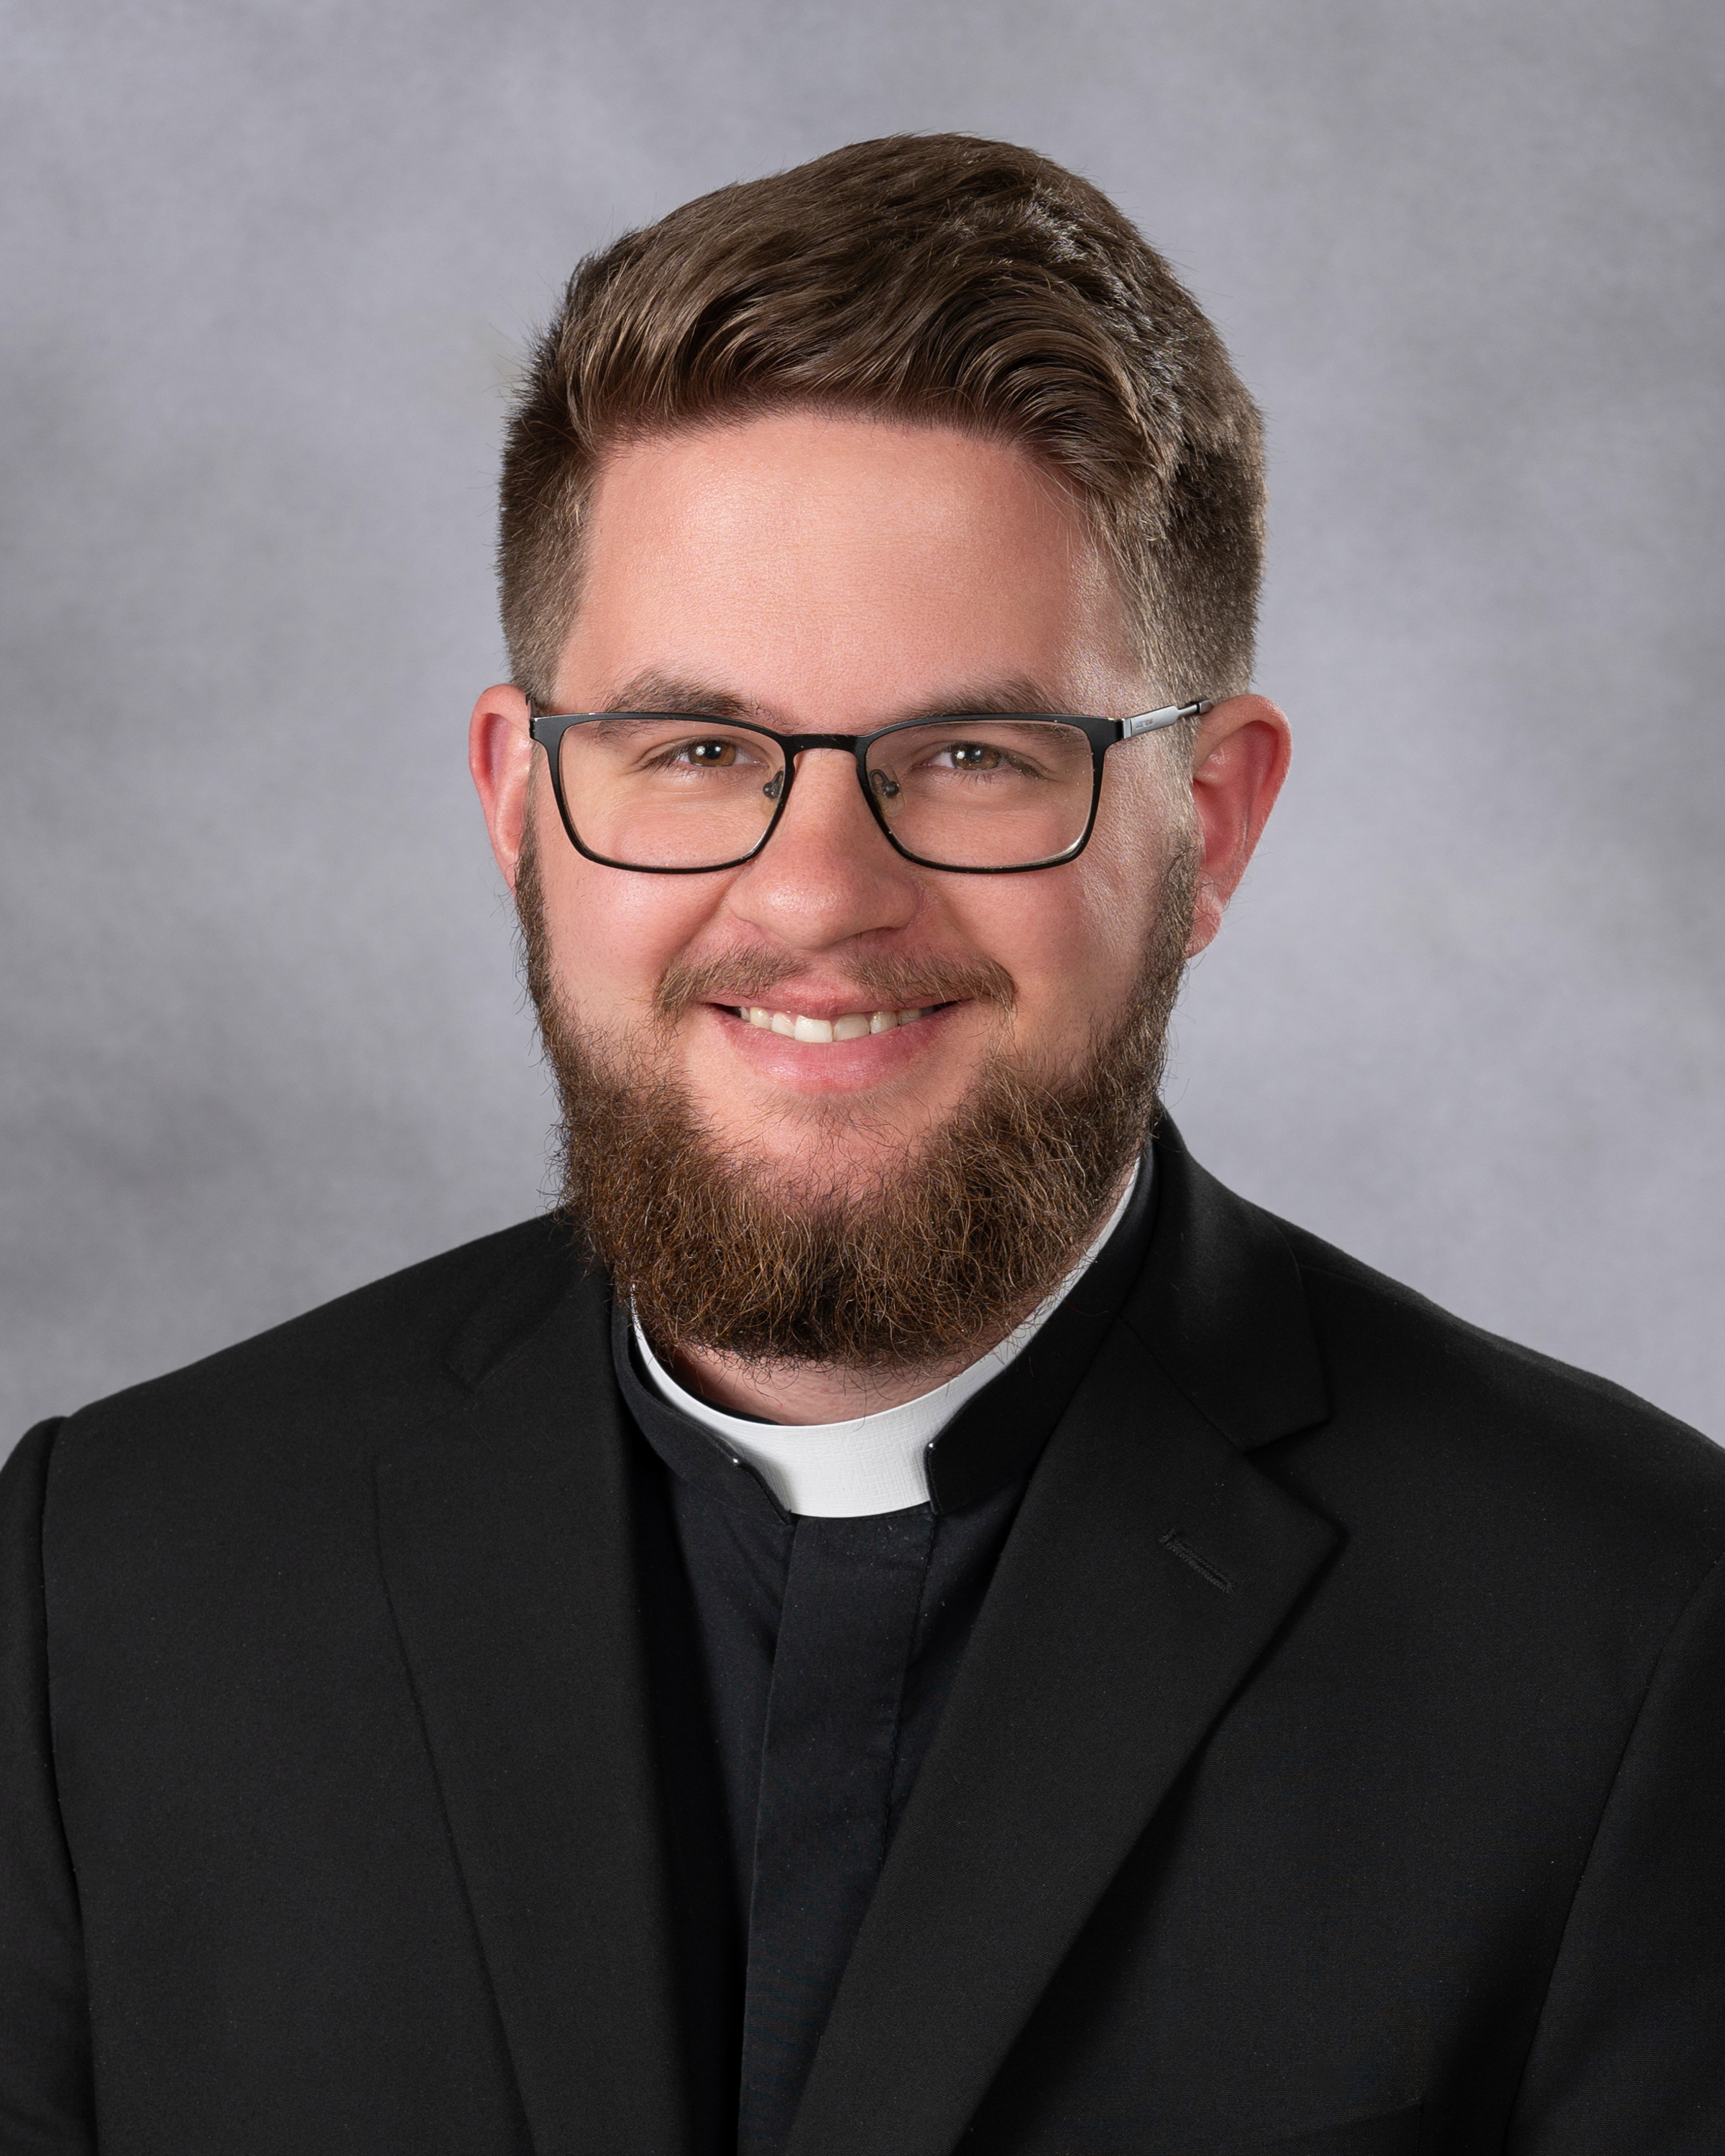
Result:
[[801, 1665]]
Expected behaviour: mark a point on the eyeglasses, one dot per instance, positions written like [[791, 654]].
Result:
[[666, 794]]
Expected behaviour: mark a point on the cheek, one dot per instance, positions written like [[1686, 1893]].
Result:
[[1068, 943], [1077, 935], [1143, 819], [613, 934]]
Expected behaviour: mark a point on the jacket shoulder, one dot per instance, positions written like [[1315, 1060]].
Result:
[[395, 1346], [1499, 1412]]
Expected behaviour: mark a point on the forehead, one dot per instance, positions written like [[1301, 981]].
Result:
[[800, 558]]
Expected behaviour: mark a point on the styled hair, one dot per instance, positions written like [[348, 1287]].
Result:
[[930, 279]]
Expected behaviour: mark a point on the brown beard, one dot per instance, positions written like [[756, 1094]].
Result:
[[939, 1259]]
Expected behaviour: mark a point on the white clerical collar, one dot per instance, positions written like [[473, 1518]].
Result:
[[870, 1463]]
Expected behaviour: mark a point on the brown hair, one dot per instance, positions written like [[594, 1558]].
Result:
[[936, 279]]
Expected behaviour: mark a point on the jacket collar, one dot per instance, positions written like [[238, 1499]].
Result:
[[1221, 1306]]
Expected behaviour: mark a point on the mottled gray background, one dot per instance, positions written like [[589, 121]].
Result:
[[264, 267]]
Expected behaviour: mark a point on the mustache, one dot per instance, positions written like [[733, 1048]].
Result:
[[883, 982]]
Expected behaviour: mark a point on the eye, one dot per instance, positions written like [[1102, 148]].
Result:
[[972, 756], [710, 754]]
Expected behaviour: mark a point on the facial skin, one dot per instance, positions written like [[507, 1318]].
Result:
[[833, 574]]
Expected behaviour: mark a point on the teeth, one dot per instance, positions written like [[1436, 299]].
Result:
[[853, 1026]]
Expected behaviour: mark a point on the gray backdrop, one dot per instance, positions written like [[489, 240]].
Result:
[[264, 268]]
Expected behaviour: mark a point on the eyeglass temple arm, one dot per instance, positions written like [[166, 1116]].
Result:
[[1170, 714]]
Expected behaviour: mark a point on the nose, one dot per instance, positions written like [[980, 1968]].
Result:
[[827, 874]]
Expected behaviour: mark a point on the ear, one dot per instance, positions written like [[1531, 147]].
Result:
[[500, 755], [1240, 758]]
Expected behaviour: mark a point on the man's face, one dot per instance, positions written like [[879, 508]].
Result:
[[833, 575]]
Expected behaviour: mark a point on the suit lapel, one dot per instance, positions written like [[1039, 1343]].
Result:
[[1150, 1568], [507, 1544]]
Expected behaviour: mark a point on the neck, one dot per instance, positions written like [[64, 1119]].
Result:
[[805, 1393], [801, 1392]]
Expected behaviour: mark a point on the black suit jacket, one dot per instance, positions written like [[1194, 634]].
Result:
[[1337, 1766]]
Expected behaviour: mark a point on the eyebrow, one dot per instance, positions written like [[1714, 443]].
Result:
[[651, 689]]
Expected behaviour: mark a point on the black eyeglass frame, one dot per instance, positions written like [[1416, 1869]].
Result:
[[1102, 734]]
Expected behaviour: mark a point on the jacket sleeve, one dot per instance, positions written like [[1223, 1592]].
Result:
[[44, 2030], [1629, 2053]]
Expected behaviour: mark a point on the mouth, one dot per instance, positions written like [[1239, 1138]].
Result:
[[821, 1042], [846, 1025]]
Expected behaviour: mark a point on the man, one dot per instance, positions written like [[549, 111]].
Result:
[[924, 1622]]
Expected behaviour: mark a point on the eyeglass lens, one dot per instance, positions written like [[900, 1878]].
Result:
[[670, 793]]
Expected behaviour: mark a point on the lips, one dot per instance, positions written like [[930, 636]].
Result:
[[848, 1025]]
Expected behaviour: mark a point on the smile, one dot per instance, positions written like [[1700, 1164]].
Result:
[[852, 1026]]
